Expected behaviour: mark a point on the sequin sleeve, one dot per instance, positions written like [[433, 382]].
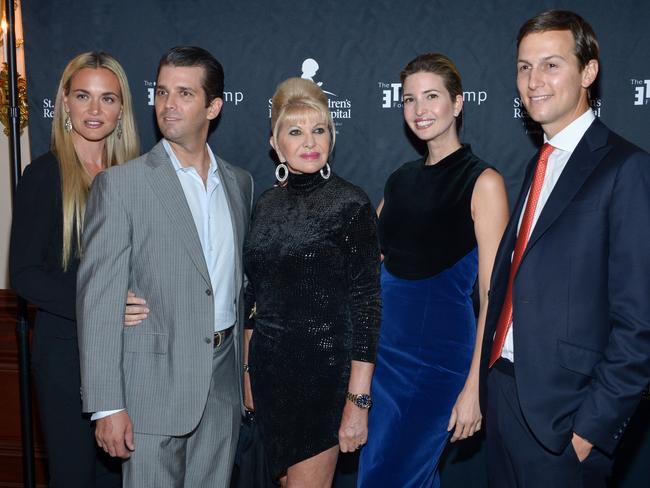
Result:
[[362, 257], [249, 305]]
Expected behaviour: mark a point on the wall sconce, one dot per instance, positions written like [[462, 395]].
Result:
[[4, 75]]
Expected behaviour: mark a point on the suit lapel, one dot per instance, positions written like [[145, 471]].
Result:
[[233, 198], [588, 153], [167, 187]]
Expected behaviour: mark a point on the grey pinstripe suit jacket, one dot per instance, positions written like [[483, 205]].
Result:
[[139, 234]]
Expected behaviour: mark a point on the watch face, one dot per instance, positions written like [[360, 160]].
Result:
[[364, 401]]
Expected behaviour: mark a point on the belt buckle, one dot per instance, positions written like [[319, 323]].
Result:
[[218, 338]]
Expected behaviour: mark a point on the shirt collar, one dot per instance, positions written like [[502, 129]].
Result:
[[569, 137], [180, 168]]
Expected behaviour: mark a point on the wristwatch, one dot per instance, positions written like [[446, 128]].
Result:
[[361, 400]]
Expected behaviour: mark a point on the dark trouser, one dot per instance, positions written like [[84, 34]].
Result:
[[74, 460], [515, 456]]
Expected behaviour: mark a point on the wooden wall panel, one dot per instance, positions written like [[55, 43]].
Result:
[[11, 465]]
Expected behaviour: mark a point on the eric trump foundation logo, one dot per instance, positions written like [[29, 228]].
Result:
[[391, 95], [234, 97], [641, 91]]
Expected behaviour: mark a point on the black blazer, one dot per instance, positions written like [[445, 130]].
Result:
[[581, 296], [35, 267]]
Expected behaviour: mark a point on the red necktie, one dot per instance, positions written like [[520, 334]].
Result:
[[505, 319]]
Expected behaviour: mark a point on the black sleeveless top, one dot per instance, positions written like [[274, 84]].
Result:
[[426, 223]]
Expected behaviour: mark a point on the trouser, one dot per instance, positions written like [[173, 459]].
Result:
[[516, 458], [205, 456], [73, 457]]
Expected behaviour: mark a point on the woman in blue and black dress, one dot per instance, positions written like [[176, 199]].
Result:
[[440, 224]]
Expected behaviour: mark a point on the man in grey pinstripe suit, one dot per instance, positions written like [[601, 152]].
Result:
[[166, 394]]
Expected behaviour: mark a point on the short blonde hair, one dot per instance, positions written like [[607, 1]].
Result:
[[295, 96]]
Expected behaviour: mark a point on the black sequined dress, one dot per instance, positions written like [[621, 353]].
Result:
[[312, 260]]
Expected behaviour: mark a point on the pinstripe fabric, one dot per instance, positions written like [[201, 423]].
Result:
[[139, 234], [204, 457]]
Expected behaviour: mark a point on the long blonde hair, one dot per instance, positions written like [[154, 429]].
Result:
[[75, 181]]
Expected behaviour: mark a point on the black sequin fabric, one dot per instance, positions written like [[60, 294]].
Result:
[[312, 260]]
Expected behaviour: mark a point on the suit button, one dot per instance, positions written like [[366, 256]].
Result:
[[208, 340], [208, 292]]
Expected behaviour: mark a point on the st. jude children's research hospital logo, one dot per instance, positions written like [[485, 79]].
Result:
[[340, 108], [532, 127]]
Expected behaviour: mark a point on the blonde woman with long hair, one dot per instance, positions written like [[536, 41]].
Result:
[[93, 129]]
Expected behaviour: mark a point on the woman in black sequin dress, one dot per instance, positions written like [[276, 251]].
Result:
[[312, 260]]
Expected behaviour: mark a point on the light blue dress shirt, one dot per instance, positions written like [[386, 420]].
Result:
[[211, 214]]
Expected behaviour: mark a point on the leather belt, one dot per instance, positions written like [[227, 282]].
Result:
[[221, 336]]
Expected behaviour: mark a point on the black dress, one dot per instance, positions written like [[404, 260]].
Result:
[[312, 259], [36, 273]]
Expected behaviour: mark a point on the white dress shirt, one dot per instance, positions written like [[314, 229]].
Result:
[[209, 207], [212, 219], [564, 143]]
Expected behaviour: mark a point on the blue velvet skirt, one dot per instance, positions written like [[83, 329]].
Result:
[[425, 350]]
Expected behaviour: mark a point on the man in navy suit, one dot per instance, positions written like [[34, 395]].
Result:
[[566, 352]]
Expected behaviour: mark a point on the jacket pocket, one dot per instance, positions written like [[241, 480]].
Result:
[[577, 358], [150, 342]]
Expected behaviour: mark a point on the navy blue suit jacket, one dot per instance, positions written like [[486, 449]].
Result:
[[581, 296]]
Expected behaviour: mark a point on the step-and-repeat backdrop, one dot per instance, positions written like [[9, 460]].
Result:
[[354, 50]]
